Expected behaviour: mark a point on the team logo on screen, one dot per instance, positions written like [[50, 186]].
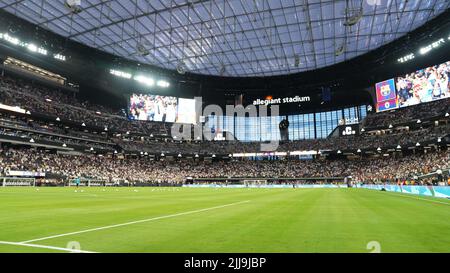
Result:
[[385, 90]]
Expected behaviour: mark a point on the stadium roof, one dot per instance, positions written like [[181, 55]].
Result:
[[232, 37]]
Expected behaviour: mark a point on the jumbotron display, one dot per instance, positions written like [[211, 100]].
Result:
[[153, 108], [161, 108], [424, 85]]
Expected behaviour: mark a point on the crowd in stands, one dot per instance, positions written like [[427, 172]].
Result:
[[40, 99], [407, 114], [343, 143], [382, 169]]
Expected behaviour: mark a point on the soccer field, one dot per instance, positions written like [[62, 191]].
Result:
[[220, 220]]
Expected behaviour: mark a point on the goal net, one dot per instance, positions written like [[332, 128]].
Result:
[[17, 181], [90, 183]]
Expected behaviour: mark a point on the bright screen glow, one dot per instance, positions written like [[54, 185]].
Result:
[[424, 85], [386, 95], [153, 108], [186, 111]]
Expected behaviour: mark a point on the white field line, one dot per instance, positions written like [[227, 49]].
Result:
[[134, 222], [47, 247]]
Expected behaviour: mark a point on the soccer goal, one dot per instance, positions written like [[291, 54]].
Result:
[[90, 183], [17, 181]]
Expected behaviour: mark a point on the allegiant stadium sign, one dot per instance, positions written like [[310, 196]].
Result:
[[268, 101]]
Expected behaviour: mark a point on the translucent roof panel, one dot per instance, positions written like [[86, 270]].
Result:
[[232, 37]]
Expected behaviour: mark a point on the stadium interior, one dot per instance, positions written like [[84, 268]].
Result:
[[179, 95]]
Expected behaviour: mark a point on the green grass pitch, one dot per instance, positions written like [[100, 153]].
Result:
[[220, 220]]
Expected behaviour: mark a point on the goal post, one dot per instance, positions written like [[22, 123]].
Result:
[[18, 181], [88, 182]]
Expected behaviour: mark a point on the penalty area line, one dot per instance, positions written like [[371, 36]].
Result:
[[134, 222], [46, 247]]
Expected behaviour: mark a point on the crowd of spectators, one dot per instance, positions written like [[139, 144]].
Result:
[[138, 169], [38, 99], [112, 167], [407, 114], [402, 138]]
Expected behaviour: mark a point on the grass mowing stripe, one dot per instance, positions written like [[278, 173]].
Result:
[[134, 222], [46, 247]]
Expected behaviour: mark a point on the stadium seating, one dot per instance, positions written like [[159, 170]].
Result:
[[102, 144]]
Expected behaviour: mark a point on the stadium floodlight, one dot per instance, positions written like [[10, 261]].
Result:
[[424, 50], [32, 47], [32, 140], [428, 48], [162, 83], [120, 74], [399, 147], [406, 58], [42, 51], [35, 48], [144, 80], [10, 39], [59, 57]]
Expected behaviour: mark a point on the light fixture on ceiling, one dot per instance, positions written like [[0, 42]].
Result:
[[181, 67], [142, 50], [222, 69], [353, 16], [296, 60], [340, 50], [74, 6]]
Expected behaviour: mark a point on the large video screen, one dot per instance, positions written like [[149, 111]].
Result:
[[424, 85], [386, 95], [153, 107], [186, 111]]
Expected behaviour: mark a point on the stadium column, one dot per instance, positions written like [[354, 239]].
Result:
[[315, 125]]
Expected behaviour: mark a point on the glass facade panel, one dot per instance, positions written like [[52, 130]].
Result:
[[303, 126]]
